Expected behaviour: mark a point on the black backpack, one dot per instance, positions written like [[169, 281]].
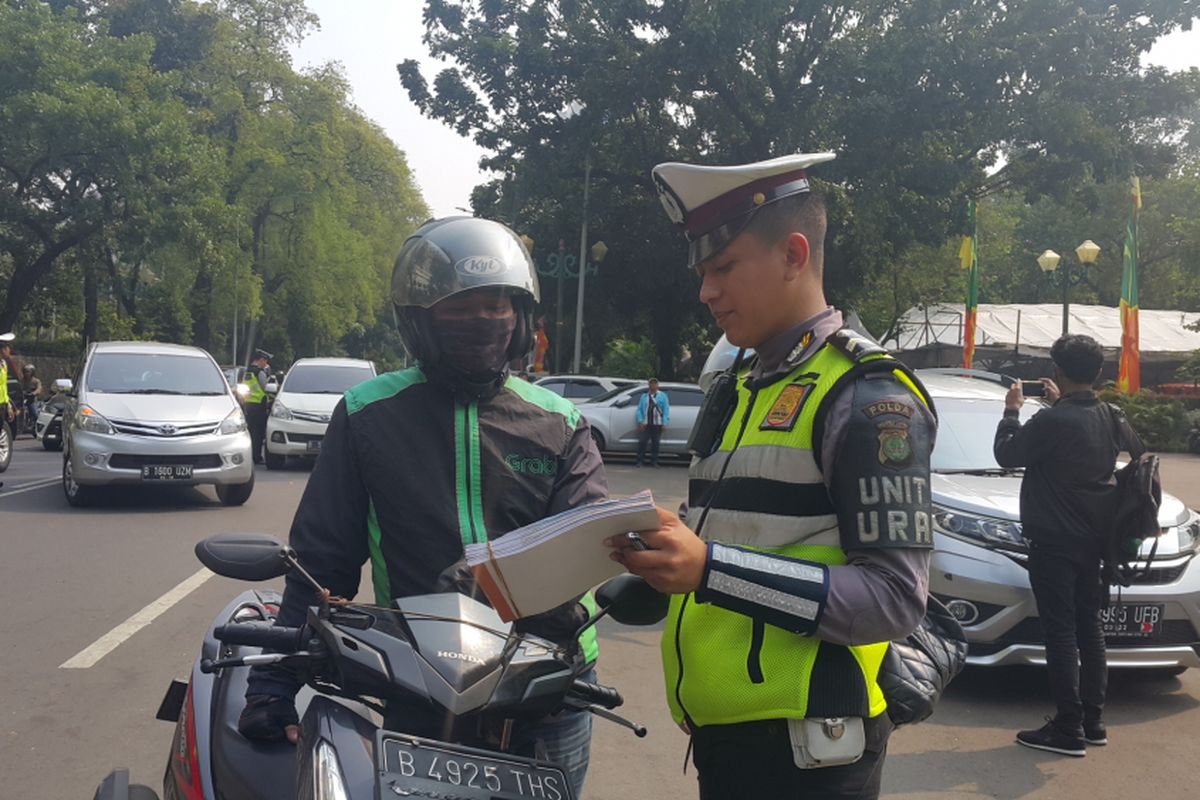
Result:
[[1137, 498]]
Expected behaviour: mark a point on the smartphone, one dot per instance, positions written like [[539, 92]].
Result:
[[1033, 388]]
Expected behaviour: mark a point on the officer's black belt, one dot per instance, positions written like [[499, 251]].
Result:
[[763, 496]]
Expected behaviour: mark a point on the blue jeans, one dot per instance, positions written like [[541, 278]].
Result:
[[566, 739]]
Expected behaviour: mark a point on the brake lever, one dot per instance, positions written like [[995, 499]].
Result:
[[208, 666], [638, 729]]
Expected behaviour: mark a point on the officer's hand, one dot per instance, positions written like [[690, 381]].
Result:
[[269, 718], [674, 564], [1052, 390], [641, 426], [1015, 397]]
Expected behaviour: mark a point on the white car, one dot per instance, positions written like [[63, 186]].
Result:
[[613, 417], [582, 388], [145, 413], [980, 553], [305, 402]]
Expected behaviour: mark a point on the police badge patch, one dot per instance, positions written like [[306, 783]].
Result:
[[785, 412], [895, 451]]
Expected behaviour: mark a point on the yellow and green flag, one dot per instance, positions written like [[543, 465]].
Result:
[[970, 262], [1129, 377]]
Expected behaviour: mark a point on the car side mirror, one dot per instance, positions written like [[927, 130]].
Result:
[[63, 385], [245, 556], [623, 402], [631, 601]]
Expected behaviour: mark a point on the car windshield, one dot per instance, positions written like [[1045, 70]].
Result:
[[324, 379], [154, 373], [966, 431]]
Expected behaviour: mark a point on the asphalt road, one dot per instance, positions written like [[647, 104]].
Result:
[[99, 590]]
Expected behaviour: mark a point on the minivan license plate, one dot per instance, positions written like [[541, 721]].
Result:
[[166, 472], [1132, 621], [427, 769]]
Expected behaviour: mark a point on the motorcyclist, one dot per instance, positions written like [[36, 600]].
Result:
[[31, 392], [417, 463]]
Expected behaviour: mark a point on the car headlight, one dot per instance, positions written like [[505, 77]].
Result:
[[88, 419], [988, 531], [234, 423], [1189, 534], [328, 783], [280, 411]]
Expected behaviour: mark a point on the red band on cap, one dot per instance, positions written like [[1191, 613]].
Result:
[[717, 211]]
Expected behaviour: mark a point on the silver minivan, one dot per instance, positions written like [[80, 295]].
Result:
[[144, 413]]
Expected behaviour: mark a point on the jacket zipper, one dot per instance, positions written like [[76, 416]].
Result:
[[683, 606]]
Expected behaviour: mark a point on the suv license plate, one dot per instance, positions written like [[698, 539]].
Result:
[[428, 769], [1132, 621], [166, 472], [313, 446]]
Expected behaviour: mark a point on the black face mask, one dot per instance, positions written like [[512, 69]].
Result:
[[476, 347]]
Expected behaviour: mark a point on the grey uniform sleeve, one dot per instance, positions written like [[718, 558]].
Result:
[[876, 448]]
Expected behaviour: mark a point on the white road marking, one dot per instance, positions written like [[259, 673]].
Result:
[[28, 487], [113, 639]]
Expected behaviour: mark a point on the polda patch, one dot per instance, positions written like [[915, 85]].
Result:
[[785, 412]]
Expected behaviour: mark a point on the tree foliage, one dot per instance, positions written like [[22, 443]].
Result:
[[925, 103], [167, 173]]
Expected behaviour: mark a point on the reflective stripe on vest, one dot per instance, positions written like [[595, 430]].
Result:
[[257, 393], [722, 667], [3, 383]]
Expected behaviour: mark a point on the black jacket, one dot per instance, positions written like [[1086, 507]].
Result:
[[409, 472], [1069, 452]]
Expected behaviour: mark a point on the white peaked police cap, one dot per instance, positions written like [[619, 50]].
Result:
[[713, 204]]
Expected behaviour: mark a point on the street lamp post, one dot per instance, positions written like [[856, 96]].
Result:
[[1049, 260], [587, 179]]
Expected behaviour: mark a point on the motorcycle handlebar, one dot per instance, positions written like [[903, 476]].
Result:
[[603, 696], [262, 634]]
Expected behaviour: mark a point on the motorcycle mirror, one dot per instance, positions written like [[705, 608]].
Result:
[[245, 556], [631, 601]]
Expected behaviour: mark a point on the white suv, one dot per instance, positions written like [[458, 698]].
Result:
[[151, 414], [305, 402]]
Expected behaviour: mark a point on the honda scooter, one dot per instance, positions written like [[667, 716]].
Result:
[[416, 700]]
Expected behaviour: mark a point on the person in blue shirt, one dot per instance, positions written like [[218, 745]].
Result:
[[653, 414]]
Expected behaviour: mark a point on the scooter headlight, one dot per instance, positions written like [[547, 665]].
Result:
[[328, 783]]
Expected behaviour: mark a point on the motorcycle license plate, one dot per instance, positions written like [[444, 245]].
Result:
[[424, 768], [1132, 621], [166, 472]]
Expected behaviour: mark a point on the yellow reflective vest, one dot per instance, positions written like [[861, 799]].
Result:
[[257, 393], [722, 667]]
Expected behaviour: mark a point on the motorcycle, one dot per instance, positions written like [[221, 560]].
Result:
[[1194, 441], [415, 700]]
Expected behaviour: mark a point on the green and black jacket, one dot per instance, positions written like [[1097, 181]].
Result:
[[409, 473]]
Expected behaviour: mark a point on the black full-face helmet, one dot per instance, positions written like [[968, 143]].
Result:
[[454, 255]]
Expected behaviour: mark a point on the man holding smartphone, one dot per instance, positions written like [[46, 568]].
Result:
[[1069, 452]]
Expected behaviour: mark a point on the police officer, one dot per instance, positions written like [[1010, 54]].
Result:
[[418, 463], [807, 540], [7, 368], [257, 401]]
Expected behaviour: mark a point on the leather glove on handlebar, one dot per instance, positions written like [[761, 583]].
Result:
[[266, 717]]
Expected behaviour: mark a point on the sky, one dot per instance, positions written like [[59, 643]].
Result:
[[369, 37]]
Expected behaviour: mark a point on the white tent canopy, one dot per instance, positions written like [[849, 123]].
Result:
[[1029, 330]]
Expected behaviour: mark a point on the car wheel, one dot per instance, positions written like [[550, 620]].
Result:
[[274, 460], [598, 438], [77, 496], [235, 494], [6, 450], [51, 444]]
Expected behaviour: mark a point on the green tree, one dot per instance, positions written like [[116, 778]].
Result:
[[919, 100]]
